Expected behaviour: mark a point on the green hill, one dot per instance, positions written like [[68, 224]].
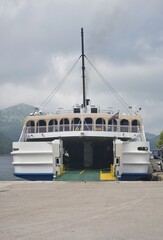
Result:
[[5, 144], [152, 139], [11, 123]]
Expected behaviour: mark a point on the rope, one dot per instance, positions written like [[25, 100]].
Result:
[[121, 100], [51, 95]]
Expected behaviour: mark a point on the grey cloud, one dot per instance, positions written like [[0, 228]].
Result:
[[40, 41], [129, 32]]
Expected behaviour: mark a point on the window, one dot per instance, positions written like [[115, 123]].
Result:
[[76, 124], [135, 125], [64, 124], [112, 125], [124, 125], [88, 124], [100, 124], [41, 126], [30, 126], [53, 125]]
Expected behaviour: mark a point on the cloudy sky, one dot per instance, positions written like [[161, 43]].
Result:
[[40, 42]]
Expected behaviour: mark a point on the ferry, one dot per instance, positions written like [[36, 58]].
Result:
[[85, 139]]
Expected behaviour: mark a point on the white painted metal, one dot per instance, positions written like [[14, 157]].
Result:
[[37, 157], [128, 159]]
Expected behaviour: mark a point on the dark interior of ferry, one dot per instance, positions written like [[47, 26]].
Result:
[[102, 154]]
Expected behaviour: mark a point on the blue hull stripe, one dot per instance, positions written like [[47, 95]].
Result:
[[18, 174], [49, 176], [134, 176], [35, 176]]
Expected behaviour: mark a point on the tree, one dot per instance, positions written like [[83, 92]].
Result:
[[159, 143]]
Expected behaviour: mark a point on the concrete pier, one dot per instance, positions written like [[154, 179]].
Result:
[[81, 210], [157, 176]]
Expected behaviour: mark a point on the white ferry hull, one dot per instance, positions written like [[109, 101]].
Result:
[[131, 160], [37, 158]]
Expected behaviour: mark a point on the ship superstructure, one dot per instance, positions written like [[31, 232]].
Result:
[[84, 137]]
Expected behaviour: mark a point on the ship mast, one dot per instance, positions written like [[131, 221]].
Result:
[[83, 67]]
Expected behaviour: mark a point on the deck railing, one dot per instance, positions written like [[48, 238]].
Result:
[[86, 127]]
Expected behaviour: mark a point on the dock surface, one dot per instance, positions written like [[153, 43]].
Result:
[[81, 210]]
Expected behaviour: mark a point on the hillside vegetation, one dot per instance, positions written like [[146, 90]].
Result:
[[152, 139], [11, 123]]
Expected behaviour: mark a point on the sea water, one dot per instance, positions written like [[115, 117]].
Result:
[[7, 169]]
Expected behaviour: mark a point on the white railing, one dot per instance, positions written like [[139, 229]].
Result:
[[22, 136], [86, 127]]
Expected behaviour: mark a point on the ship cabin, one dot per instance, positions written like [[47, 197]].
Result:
[[87, 135], [78, 120]]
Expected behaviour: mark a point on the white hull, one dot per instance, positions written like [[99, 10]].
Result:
[[37, 158], [129, 160], [43, 158]]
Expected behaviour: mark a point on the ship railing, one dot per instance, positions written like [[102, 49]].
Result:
[[100, 127], [136, 129], [64, 111], [38, 129], [86, 127], [124, 128], [53, 128], [112, 128], [76, 127], [23, 135], [30, 129]]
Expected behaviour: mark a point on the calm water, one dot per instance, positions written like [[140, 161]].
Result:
[[7, 169]]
